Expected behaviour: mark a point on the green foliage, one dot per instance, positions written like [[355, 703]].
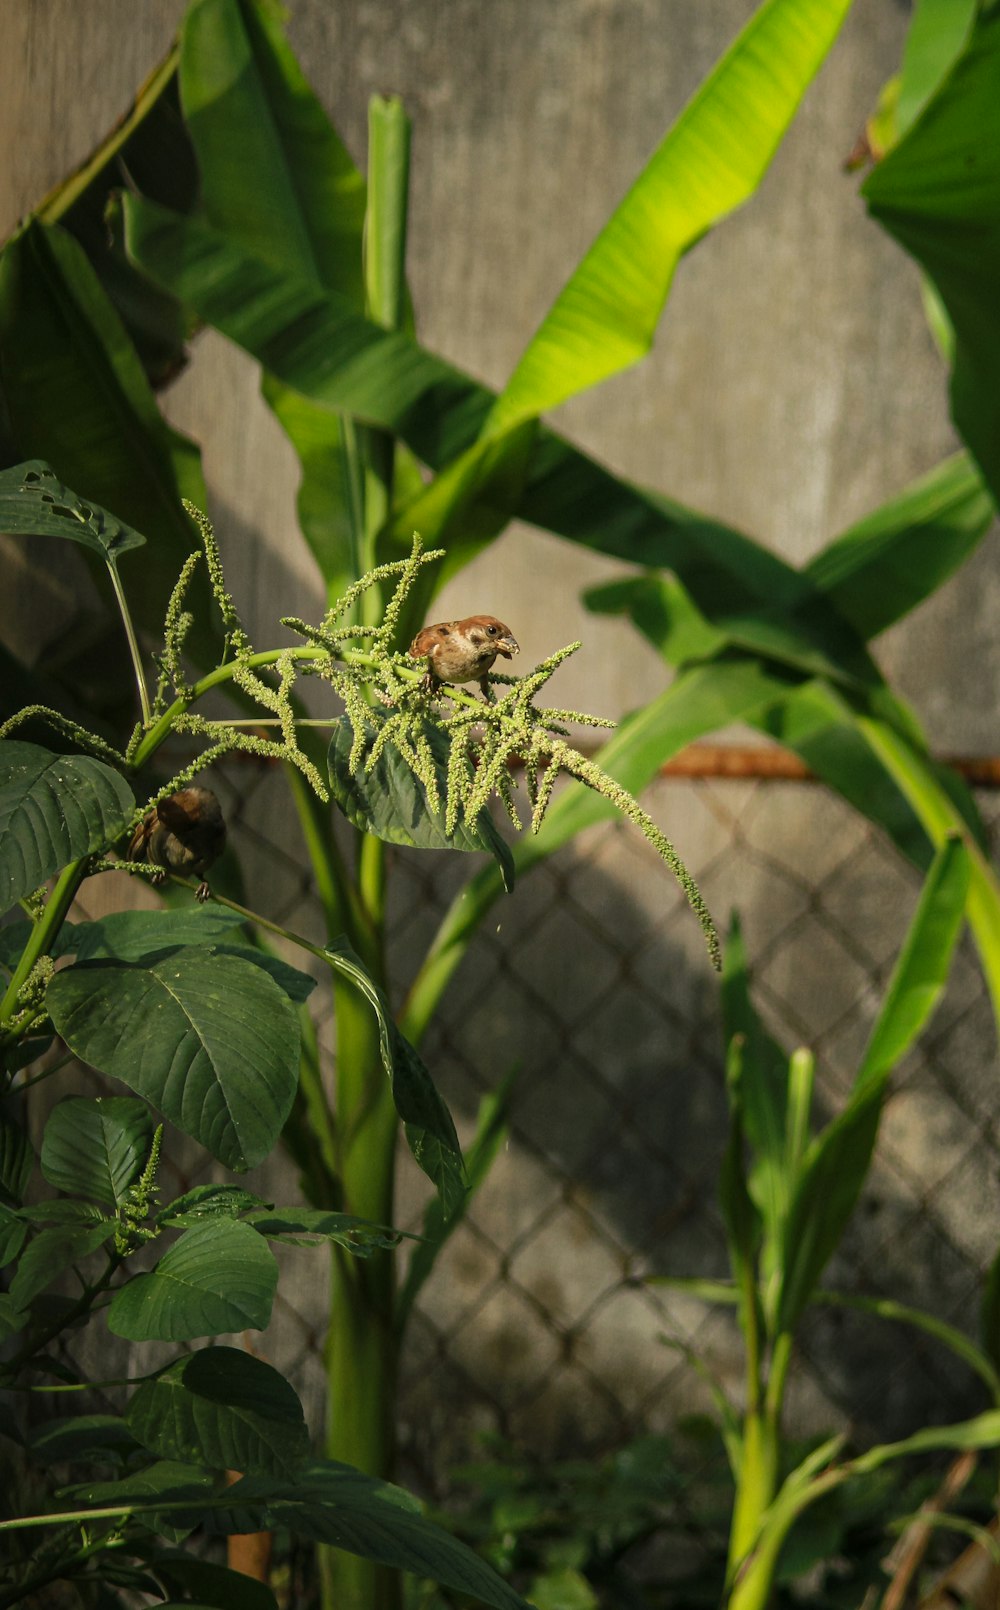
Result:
[[97, 293]]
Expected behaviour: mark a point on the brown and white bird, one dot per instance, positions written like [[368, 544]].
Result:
[[184, 833], [463, 651]]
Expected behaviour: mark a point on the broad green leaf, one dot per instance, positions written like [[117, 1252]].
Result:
[[430, 1132], [336, 1504], [317, 344], [390, 802], [209, 1039], [837, 1163], [64, 1210], [710, 162], [218, 1277], [323, 501], [202, 1582], [92, 1437], [204, 1202], [78, 398], [893, 559], [128, 936], [938, 32], [490, 1135], [172, 1485], [275, 176], [13, 1234], [324, 1501], [12, 1318], [97, 1148], [51, 1252], [938, 194], [310, 1227], [54, 809], [223, 1408], [34, 502]]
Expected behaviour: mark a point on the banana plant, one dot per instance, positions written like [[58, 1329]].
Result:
[[299, 261], [787, 1193]]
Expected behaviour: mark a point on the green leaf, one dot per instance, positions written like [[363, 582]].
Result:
[[51, 1252], [205, 1202], [78, 398], [218, 1277], [209, 1039], [310, 1227], [763, 1088], [938, 194], [54, 809], [64, 1210], [223, 1408], [430, 1132], [275, 177], [13, 1234], [324, 1501], [204, 1583], [91, 1437], [741, 1215], [390, 802], [16, 1162], [837, 1163], [335, 1504], [922, 969], [34, 502], [490, 1134], [97, 1148], [710, 162], [938, 32], [892, 560], [128, 936]]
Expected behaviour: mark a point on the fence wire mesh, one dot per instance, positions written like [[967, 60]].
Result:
[[591, 981]]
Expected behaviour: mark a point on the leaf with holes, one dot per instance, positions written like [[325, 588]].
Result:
[[209, 1039], [34, 502], [53, 809]]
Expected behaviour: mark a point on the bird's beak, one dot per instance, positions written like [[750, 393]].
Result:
[[508, 647]]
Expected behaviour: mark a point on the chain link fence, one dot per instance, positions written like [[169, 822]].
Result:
[[591, 981]]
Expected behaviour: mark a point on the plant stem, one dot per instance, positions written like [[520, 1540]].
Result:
[[133, 642], [43, 934]]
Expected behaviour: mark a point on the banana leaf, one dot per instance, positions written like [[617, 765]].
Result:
[[938, 194]]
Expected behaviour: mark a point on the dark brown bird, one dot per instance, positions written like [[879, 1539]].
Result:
[[463, 651], [184, 833]]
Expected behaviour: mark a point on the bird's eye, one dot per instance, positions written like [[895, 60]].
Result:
[[492, 630]]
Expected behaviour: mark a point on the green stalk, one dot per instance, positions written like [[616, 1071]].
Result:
[[133, 642], [361, 1346]]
